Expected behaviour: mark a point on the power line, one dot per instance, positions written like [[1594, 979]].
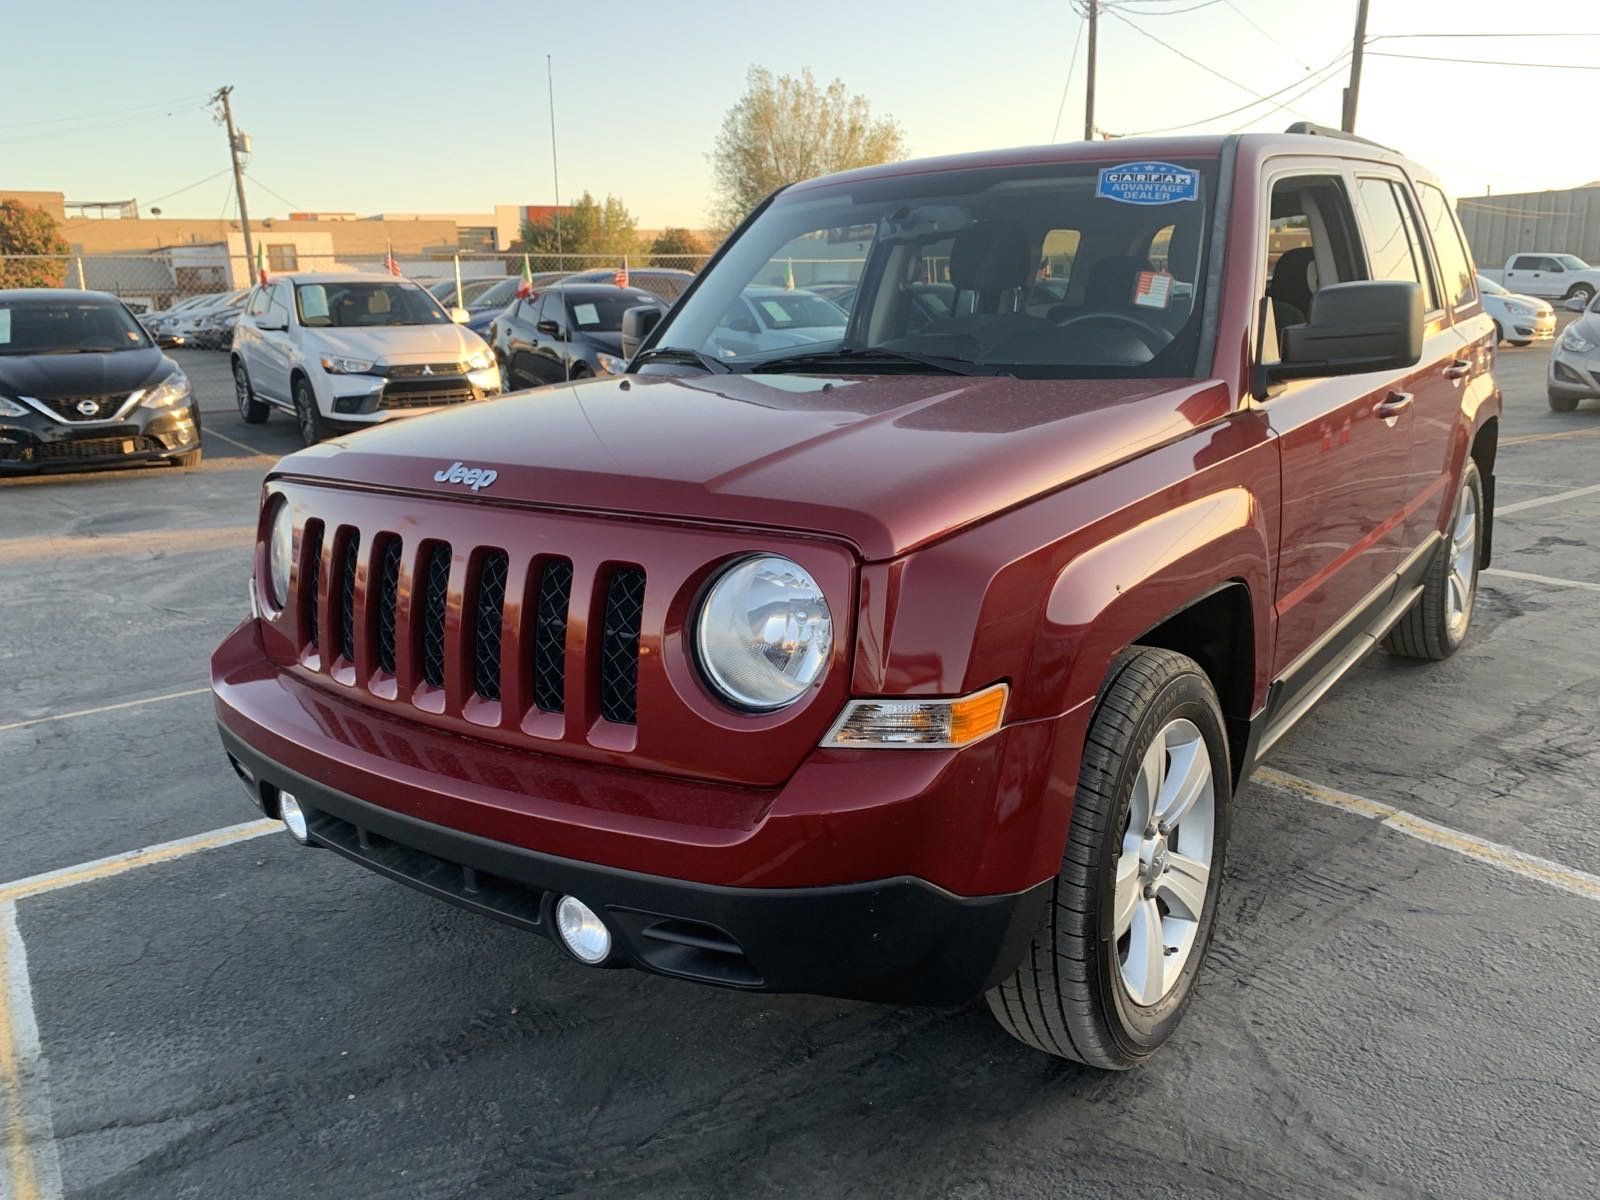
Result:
[[1333, 65], [1319, 80], [1188, 57], [1488, 62], [293, 207], [1250, 21], [1162, 12], [104, 113], [118, 122], [187, 187], [1390, 37], [1067, 86]]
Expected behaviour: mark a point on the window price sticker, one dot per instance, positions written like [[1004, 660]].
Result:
[[1153, 289]]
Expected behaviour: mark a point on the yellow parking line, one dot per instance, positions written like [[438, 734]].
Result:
[[151, 541], [104, 708], [132, 860], [236, 442], [1504, 858], [20, 1172], [1520, 439]]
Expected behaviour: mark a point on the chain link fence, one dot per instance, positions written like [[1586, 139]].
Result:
[[155, 281]]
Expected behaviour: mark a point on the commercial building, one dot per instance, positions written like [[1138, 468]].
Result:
[[1566, 221]]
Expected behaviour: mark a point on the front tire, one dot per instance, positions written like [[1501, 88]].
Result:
[[1112, 966], [1435, 626], [313, 428], [1580, 290], [1562, 404]]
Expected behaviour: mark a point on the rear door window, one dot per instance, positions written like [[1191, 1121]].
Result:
[[1455, 262], [1391, 252]]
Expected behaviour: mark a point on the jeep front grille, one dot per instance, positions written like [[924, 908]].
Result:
[[381, 594]]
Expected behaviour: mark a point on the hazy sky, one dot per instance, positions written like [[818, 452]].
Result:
[[412, 106]]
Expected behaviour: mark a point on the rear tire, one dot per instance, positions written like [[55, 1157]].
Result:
[[1520, 345], [1582, 290], [251, 410], [313, 428], [1435, 626], [1563, 404], [1095, 986]]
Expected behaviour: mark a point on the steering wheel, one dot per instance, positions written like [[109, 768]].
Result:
[[1148, 331]]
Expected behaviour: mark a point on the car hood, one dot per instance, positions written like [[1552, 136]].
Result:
[[884, 462], [46, 375], [398, 343]]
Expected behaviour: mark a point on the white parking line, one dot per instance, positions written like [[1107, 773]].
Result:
[[32, 1164], [1547, 580], [1504, 858], [104, 708], [236, 442], [1539, 501]]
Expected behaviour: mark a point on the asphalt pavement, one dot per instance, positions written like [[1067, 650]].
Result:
[[1395, 1004]]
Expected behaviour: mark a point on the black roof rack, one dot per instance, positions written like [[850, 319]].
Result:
[[1315, 130]]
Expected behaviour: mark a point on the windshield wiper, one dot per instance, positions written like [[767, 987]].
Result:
[[861, 356], [681, 354]]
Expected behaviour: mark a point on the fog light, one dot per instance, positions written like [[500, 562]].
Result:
[[294, 818], [582, 931], [348, 404]]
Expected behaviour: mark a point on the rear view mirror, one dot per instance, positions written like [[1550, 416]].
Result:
[[636, 326], [1353, 328], [460, 315]]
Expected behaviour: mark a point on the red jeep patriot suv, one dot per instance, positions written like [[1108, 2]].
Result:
[[906, 639]]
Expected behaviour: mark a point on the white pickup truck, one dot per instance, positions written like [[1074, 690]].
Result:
[[1549, 276]]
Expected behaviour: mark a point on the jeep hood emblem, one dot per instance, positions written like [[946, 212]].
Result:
[[472, 477]]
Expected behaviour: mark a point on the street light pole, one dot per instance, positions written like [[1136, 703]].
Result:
[[238, 177]]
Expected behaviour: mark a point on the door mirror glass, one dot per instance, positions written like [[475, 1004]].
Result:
[[1353, 328], [636, 326]]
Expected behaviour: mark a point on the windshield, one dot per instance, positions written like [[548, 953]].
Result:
[[1572, 262], [1490, 287], [67, 327], [1067, 270], [353, 304], [498, 295]]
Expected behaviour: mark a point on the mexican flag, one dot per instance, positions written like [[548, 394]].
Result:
[[525, 288], [261, 263], [788, 275]]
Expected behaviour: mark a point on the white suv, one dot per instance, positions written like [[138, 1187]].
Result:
[[349, 350]]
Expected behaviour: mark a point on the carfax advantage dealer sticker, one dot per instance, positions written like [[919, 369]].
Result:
[[1148, 183]]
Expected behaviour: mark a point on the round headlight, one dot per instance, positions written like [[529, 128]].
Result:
[[764, 633], [280, 550]]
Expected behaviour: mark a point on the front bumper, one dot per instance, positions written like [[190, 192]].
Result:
[[373, 399], [36, 443], [1540, 327], [898, 940], [871, 874], [1572, 375]]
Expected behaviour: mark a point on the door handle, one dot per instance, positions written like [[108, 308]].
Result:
[[1392, 405], [1459, 368]]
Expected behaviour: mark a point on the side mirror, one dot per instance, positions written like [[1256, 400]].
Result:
[[1353, 328], [1574, 304], [460, 315], [549, 328], [636, 326], [271, 324]]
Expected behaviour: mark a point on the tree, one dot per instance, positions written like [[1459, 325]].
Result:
[[587, 227], [670, 244], [30, 231], [784, 130]]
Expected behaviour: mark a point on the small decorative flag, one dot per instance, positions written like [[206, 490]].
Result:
[[621, 277], [261, 263], [788, 275], [525, 288], [390, 263]]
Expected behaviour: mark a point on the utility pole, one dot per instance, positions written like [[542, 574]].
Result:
[[1088, 96], [234, 146], [1352, 93], [555, 164]]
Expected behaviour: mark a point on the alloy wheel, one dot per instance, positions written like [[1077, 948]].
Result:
[[1164, 870], [1462, 582]]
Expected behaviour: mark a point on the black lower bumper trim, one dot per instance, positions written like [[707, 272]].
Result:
[[900, 940]]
